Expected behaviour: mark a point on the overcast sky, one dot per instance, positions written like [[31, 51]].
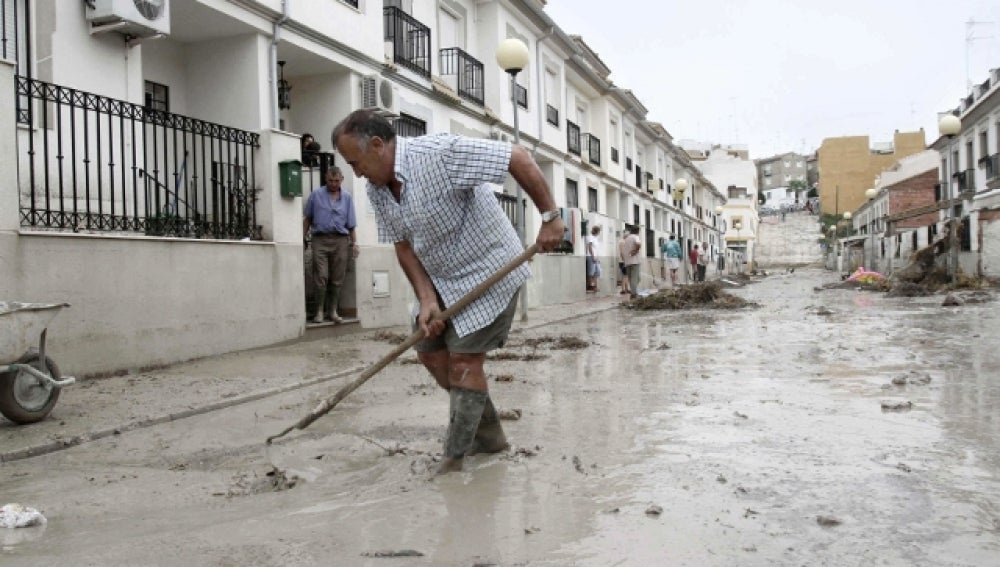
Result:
[[782, 75]]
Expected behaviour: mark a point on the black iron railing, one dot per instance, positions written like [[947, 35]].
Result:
[[992, 166], [467, 70], [521, 95], [99, 164], [966, 180], [509, 205], [552, 115], [594, 149], [572, 138], [409, 127], [411, 40]]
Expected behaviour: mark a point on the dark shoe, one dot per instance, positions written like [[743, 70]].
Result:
[[466, 412]]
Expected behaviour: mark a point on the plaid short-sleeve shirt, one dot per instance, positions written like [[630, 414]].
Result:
[[449, 213]]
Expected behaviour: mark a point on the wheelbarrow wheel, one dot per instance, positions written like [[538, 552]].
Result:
[[23, 397]]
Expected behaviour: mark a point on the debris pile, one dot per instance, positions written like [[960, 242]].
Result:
[[707, 294]]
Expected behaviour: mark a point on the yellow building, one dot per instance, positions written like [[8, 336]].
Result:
[[848, 166]]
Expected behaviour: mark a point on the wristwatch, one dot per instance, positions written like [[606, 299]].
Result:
[[549, 216]]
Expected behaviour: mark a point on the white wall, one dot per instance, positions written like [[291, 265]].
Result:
[[138, 302], [231, 75]]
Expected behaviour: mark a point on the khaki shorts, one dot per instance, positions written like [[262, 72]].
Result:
[[490, 337]]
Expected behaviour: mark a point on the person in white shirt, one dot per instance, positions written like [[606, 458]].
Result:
[[593, 262]]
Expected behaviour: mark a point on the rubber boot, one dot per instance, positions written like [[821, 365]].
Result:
[[319, 311], [466, 411], [489, 437]]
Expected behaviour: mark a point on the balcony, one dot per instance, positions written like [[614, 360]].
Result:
[[407, 40], [467, 72], [990, 166], [966, 180], [593, 149], [993, 171], [552, 115], [572, 138]]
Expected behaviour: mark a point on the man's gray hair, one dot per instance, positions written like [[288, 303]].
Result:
[[363, 125]]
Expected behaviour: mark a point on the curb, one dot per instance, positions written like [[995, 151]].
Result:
[[53, 446]]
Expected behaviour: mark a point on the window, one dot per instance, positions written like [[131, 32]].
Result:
[[592, 199], [983, 149], [552, 92], [969, 157], [157, 97], [572, 195], [635, 214], [522, 96], [451, 32], [613, 141], [409, 127]]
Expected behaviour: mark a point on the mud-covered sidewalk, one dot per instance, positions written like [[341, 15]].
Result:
[[821, 427]]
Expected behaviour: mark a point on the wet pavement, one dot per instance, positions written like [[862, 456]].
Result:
[[701, 437]]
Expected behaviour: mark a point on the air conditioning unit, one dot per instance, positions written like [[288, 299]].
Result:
[[379, 94], [138, 18]]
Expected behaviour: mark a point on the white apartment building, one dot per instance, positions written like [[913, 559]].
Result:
[[152, 143], [740, 218], [970, 177]]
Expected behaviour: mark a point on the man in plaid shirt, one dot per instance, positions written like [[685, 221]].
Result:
[[433, 200]]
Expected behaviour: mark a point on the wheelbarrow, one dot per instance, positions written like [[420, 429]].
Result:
[[30, 381]]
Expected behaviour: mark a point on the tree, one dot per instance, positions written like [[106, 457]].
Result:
[[797, 186]]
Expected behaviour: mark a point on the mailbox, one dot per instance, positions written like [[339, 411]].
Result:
[[290, 178]]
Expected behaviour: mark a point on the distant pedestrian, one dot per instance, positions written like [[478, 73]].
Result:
[[622, 254], [672, 251], [633, 245], [693, 260], [703, 261], [593, 262]]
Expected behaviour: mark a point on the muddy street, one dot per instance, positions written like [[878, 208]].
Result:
[[824, 427]]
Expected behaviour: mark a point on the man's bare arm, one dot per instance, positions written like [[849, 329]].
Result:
[[525, 171]]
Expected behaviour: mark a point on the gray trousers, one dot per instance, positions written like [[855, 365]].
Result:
[[330, 256]]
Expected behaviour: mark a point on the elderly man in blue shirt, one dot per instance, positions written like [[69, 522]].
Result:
[[434, 200], [330, 214]]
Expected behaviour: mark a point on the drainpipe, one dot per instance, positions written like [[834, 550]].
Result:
[[273, 64]]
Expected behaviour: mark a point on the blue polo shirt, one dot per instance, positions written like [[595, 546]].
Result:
[[327, 216]]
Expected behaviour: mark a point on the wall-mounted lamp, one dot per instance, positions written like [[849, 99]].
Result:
[[284, 89]]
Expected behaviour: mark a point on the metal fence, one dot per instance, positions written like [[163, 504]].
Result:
[[509, 205], [92, 163], [468, 72], [410, 39]]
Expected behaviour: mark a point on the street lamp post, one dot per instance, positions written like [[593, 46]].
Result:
[[950, 125], [512, 56], [870, 194], [846, 261], [720, 263]]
